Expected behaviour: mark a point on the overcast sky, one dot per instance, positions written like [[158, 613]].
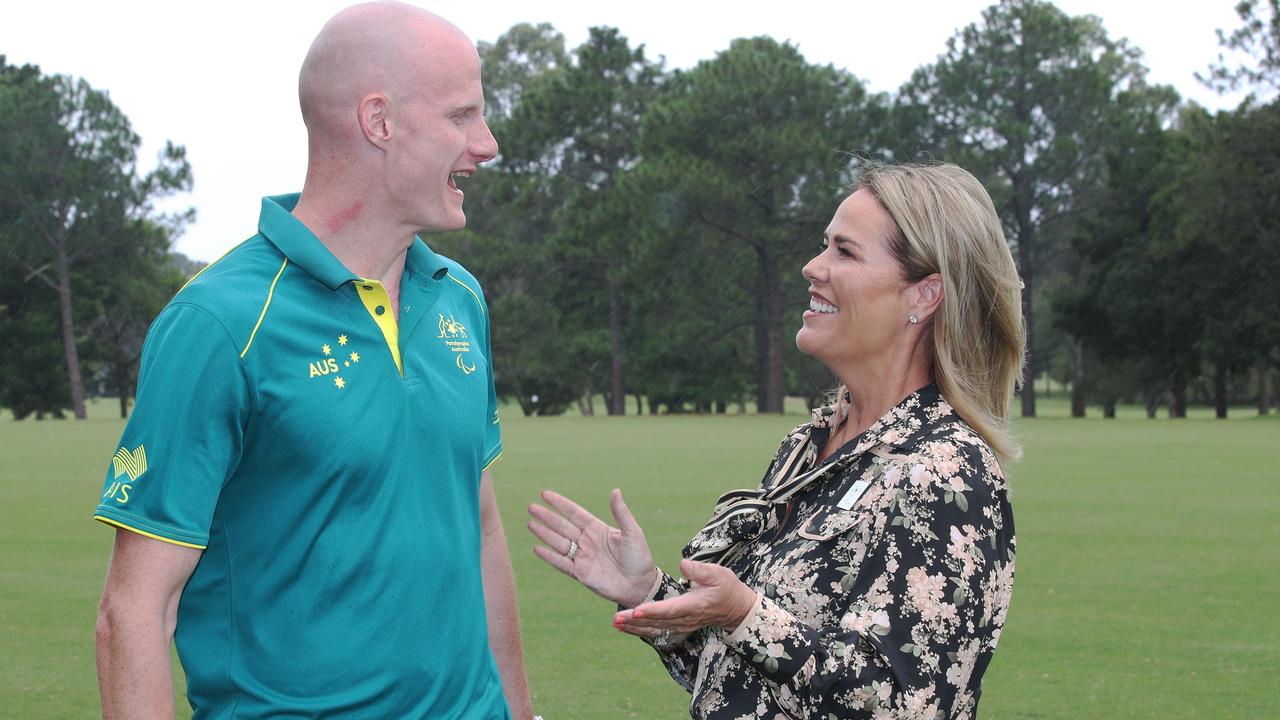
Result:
[[220, 77]]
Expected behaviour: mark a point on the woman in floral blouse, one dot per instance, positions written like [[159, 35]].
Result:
[[869, 574]]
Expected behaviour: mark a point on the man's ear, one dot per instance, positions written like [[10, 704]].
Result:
[[375, 119], [925, 295]]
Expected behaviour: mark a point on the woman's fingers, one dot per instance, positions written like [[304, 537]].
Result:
[[664, 613], [553, 539], [639, 631], [555, 560], [572, 511], [646, 628], [622, 514], [555, 523]]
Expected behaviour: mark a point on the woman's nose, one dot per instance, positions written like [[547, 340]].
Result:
[[812, 270]]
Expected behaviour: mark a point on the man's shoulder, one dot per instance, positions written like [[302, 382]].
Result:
[[244, 273], [231, 290]]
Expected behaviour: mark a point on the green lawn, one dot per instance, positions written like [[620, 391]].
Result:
[[1147, 587]]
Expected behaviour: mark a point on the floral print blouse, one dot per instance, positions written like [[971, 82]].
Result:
[[882, 583]]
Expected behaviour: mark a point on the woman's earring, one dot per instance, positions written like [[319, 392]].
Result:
[[914, 319]]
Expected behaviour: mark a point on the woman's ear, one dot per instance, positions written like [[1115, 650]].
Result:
[[924, 296]]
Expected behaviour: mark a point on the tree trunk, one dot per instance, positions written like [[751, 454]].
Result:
[[1178, 395], [653, 406], [1220, 392], [1109, 409], [1076, 351], [586, 403], [126, 390], [69, 335], [1265, 390], [1077, 400], [639, 406], [721, 407], [1153, 404], [769, 390], [617, 390]]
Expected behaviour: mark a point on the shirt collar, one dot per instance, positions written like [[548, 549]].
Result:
[[277, 223]]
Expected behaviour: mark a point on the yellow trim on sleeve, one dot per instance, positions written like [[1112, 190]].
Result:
[[376, 297], [473, 292], [491, 462], [122, 526], [270, 292]]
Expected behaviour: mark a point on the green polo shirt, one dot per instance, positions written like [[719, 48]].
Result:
[[327, 458]]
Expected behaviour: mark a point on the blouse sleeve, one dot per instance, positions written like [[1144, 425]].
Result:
[[923, 612], [681, 654]]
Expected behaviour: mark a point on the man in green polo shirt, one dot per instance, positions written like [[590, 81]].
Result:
[[301, 496]]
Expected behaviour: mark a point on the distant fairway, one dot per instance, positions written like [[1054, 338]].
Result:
[[1148, 567]]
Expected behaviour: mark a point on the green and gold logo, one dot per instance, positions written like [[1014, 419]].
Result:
[[335, 363], [454, 335], [131, 464]]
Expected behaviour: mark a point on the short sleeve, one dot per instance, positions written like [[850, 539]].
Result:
[[186, 432], [493, 429]]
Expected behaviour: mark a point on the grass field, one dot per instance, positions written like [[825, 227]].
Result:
[[1148, 566]]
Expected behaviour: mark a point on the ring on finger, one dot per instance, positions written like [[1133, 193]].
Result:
[[663, 638]]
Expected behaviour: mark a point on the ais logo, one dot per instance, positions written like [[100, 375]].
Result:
[[131, 464]]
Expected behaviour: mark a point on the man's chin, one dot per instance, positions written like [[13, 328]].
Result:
[[442, 225]]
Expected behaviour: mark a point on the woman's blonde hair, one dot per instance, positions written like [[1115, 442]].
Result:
[[945, 223]]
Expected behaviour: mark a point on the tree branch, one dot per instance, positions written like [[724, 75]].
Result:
[[35, 218], [39, 272], [731, 232]]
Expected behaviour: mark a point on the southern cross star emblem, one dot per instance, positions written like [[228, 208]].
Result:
[[331, 366]]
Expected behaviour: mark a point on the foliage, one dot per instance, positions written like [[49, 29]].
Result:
[[753, 149], [1258, 39], [1025, 99], [72, 193]]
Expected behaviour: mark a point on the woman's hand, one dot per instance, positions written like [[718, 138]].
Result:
[[717, 599], [614, 563]]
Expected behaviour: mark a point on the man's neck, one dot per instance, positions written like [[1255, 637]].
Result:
[[360, 238]]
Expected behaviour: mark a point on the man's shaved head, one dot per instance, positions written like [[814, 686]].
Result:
[[379, 47], [394, 107]]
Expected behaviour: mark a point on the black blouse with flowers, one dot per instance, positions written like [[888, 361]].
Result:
[[882, 585]]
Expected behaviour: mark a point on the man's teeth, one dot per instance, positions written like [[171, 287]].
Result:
[[817, 305]]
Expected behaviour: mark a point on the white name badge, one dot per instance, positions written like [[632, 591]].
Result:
[[854, 493]]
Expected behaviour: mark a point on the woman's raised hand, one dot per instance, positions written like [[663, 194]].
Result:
[[614, 563], [716, 598]]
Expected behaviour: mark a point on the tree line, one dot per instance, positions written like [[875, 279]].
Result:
[[641, 234]]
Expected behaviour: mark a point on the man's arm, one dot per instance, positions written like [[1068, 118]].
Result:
[[500, 604], [136, 620]]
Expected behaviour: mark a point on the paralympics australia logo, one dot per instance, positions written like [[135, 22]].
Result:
[[454, 335], [129, 465]]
